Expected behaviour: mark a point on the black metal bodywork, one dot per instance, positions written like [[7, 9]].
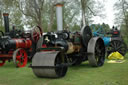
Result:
[[74, 47]]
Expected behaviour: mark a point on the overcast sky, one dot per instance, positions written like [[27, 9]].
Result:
[[109, 13]]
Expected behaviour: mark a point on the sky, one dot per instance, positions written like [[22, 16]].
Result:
[[109, 13]]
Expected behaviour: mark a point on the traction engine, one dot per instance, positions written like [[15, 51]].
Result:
[[58, 50], [113, 40], [17, 45]]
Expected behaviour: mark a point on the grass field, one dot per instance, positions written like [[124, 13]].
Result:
[[109, 74]]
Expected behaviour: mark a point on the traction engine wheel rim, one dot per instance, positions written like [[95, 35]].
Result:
[[117, 45], [99, 53], [2, 62], [86, 34], [36, 33], [96, 50], [20, 57]]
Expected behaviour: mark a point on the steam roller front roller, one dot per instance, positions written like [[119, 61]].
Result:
[[96, 52], [49, 64]]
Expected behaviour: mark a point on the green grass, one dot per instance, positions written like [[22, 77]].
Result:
[[109, 74]]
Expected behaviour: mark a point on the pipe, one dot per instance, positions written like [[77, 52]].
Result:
[[59, 16], [6, 22]]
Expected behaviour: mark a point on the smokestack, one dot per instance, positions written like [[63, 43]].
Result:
[[59, 16], [6, 22]]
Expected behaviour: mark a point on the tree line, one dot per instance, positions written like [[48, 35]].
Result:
[[29, 13], [42, 13]]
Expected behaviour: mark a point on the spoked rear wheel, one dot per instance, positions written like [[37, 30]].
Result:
[[20, 57], [117, 45], [86, 34], [2, 62], [96, 51]]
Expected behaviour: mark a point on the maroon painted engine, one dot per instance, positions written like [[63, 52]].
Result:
[[16, 49], [18, 46]]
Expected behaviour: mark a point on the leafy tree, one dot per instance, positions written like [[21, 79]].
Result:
[[15, 16], [121, 19], [33, 10], [29, 13]]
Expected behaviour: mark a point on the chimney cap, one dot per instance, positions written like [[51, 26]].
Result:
[[59, 4]]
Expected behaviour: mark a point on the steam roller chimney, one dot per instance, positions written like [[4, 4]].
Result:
[[59, 14], [6, 22]]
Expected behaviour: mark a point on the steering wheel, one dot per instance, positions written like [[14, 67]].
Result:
[[36, 33]]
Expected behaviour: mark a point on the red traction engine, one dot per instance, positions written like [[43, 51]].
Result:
[[19, 48]]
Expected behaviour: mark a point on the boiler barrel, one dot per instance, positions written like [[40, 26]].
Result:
[[17, 43]]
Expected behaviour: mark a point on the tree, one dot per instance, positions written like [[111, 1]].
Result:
[[71, 12], [29, 13], [121, 7], [91, 8], [49, 15], [33, 10], [15, 16], [75, 9], [121, 19]]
